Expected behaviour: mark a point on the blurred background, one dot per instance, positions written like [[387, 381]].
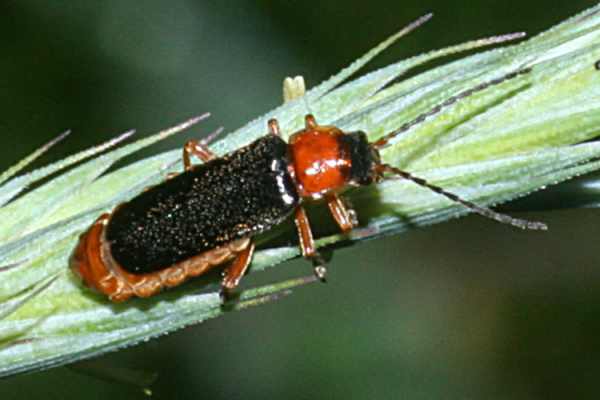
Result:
[[465, 309]]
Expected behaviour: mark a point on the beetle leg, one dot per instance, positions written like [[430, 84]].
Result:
[[197, 148], [310, 122], [274, 127], [234, 272], [343, 215], [307, 243]]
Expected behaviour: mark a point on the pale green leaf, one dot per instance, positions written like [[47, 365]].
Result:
[[496, 145]]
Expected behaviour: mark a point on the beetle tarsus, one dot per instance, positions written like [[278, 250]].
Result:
[[225, 295], [319, 268]]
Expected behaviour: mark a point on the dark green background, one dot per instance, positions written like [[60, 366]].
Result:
[[466, 309]]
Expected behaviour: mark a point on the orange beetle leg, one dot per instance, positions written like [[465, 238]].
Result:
[[307, 244], [236, 270], [310, 121], [198, 149], [343, 215]]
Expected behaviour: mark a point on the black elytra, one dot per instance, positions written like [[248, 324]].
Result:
[[239, 195]]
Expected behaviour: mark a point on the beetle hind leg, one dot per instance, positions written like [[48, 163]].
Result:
[[235, 271]]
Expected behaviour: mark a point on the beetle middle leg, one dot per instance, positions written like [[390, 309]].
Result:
[[236, 270], [197, 148], [307, 244], [341, 212]]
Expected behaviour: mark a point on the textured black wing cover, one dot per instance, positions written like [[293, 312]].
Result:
[[239, 195]]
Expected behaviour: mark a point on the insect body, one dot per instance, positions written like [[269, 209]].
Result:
[[208, 215]]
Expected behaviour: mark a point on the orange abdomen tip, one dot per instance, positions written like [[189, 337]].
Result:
[[93, 262]]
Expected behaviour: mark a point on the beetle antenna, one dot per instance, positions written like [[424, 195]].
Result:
[[384, 141], [484, 211]]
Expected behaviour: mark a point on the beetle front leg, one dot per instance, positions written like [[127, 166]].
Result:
[[310, 122], [274, 127], [307, 244], [343, 215]]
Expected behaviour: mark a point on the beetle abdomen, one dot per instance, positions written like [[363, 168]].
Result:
[[239, 195]]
